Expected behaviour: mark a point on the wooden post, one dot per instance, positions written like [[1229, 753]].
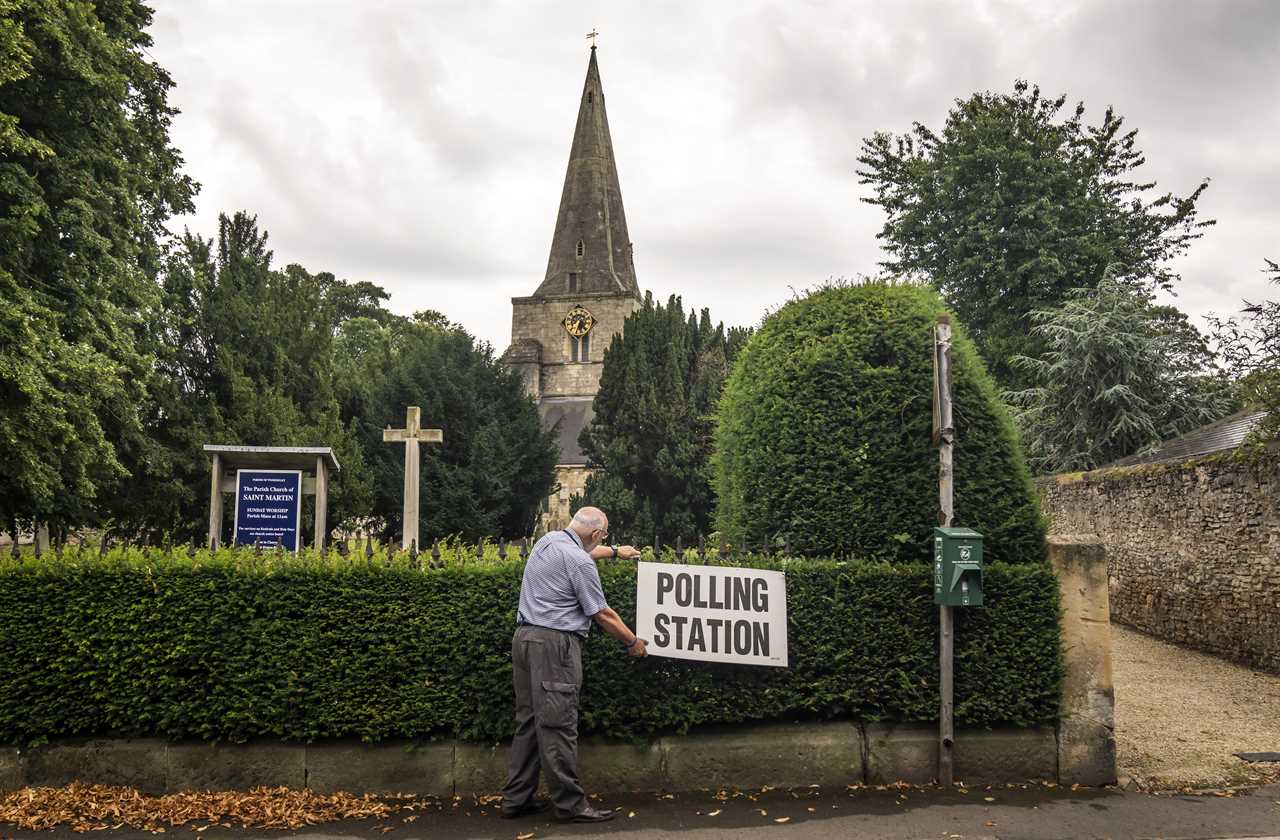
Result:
[[215, 501], [944, 438], [411, 435], [322, 503]]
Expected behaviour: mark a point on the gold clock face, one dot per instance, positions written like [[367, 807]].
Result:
[[578, 322]]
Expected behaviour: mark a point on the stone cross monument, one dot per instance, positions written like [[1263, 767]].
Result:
[[411, 435]]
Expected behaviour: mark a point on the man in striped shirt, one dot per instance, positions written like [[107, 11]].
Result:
[[560, 596]]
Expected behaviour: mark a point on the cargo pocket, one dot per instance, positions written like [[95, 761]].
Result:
[[559, 705]]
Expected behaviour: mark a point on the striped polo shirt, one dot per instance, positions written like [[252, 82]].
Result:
[[561, 586]]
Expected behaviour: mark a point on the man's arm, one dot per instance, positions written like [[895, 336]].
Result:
[[613, 624], [605, 552]]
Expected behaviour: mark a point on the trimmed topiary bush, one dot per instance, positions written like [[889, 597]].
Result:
[[825, 433]]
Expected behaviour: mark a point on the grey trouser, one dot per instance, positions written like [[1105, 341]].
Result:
[[547, 668]]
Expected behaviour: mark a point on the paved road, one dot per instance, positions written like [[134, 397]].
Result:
[[1036, 814]]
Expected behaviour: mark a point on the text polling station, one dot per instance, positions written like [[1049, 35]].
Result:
[[712, 613]]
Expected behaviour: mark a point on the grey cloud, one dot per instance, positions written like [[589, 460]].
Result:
[[422, 145]]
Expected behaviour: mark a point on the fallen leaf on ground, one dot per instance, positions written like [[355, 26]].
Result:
[[714, 813], [988, 799], [630, 814], [524, 836], [783, 820], [102, 807]]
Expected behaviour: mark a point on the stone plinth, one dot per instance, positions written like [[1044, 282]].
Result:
[[1086, 731]]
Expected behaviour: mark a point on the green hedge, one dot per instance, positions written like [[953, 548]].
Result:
[[825, 433], [231, 646]]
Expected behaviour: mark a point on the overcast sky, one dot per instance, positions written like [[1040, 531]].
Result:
[[422, 145]]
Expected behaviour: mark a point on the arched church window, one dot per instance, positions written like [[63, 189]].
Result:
[[581, 248], [573, 281], [580, 348]]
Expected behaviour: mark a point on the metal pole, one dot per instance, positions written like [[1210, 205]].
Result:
[[944, 435]]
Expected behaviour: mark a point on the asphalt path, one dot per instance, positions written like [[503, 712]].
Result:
[[1034, 814]]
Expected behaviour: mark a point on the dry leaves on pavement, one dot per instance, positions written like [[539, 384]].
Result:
[[85, 807]]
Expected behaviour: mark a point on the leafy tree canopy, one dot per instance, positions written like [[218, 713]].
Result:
[[825, 433], [1118, 374], [497, 463], [650, 438], [1013, 204], [87, 179]]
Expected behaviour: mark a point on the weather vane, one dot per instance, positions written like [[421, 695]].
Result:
[[591, 36]]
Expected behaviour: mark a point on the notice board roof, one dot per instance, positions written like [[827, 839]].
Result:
[[272, 457]]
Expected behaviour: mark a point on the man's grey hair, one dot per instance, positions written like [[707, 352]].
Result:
[[589, 518]]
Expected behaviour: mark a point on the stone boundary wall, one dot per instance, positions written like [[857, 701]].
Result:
[[1193, 548]]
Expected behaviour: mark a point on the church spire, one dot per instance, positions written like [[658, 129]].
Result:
[[590, 251]]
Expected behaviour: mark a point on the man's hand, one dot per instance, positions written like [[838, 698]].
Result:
[[638, 649], [628, 552]]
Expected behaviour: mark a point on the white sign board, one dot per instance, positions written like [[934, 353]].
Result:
[[712, 613]]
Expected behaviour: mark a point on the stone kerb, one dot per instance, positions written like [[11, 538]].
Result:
[[828, 754]]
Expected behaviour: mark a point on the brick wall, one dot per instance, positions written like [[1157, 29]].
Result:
[[1193, 548]]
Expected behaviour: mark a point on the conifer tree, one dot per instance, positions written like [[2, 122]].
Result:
[[1119, 373], [650, 439], [496, 465]]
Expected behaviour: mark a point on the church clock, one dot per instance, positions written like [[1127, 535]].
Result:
[[578, 322]]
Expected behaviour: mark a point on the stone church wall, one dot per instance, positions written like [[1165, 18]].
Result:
[[573, 482], [1193, 549]]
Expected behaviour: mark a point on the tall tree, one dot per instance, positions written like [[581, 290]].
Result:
[[1250, 348], [497, 463], [1118, 374], [1015, 203], [650, 439], [245, 355], [87, 179]]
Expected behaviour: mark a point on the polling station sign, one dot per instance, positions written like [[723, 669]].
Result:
[[712, 613], [268, 508]]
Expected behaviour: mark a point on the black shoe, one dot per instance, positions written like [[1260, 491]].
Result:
[[590, 815], [533, 806]]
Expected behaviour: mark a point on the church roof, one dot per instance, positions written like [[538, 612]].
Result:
[[590, 239], [569, 415]]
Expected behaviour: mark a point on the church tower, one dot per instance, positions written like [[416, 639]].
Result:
[[560, 332]]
